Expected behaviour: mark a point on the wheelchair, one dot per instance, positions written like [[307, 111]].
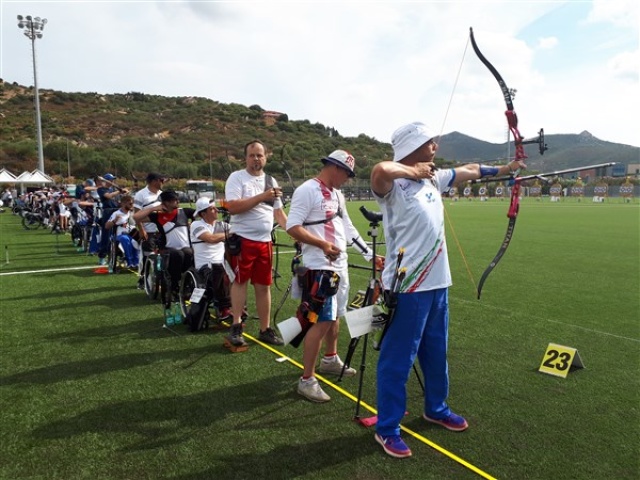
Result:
[[194, 279], [116, 261], [156, 278], [80, 229], [191, 280], [188, 283], [32, 220]]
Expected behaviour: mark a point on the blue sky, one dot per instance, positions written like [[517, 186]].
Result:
[[361, 67]]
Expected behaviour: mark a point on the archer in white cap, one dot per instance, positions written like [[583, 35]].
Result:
[[207, 240], [408, 190]]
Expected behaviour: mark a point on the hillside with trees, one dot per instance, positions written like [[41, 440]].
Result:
[[191, 137]]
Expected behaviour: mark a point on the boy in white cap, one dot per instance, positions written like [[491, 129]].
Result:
[[319, 220], [408, 190]]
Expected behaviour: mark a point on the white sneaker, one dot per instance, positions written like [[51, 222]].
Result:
[[311, 390], [334, 366]]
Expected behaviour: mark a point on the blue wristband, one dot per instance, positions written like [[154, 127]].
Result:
[[486, 171]]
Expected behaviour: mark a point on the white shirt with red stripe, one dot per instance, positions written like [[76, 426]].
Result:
[[314, 201]]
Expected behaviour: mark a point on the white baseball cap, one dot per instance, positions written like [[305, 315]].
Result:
[[203, 203], [408, 138], [343, 159]]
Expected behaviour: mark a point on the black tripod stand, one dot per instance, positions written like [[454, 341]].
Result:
[[370, 298]]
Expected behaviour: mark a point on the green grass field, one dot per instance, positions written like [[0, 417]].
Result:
[[93, 388]]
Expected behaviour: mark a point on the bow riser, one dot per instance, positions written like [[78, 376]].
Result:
[[514, 207]]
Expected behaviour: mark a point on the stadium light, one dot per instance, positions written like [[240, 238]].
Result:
[[32, 29]]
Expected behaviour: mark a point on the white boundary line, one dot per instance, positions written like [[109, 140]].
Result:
[[50, 270], [551, 320]]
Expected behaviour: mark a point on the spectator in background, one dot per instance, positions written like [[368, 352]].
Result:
[[121, 220], [148, 231], [7, 198], [108, 193]]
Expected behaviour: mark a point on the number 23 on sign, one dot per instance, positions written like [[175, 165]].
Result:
[[558, 360]]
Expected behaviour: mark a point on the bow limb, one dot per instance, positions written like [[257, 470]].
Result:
[[513, 215], [512, 118], [284, 167]]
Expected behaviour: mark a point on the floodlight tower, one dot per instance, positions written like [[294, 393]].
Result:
[[32, 29]]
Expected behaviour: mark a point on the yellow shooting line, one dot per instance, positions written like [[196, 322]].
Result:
[[416, 435]]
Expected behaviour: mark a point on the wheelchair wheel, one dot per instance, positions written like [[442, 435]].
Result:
[[86, 238], [112, 261], [150, 276], [76, 235], [189, 281], [166, 288], [30, 221]]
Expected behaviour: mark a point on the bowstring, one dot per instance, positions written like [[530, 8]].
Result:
[[446, 213]]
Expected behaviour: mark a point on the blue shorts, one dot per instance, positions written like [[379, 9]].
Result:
[[336, 305]]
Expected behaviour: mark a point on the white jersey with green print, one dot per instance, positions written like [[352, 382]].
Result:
[[413, 219]]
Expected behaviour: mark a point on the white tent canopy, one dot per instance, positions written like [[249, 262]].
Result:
[[7, 177], [23, 177], [33, 178], [38, 177]]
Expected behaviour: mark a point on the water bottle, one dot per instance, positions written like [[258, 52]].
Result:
[[177, 314], [168, 317]]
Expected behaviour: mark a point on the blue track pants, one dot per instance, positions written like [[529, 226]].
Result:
[[419, 328]]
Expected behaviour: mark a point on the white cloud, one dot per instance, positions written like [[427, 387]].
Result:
[[547, 43], [622, 13], [625, 66]]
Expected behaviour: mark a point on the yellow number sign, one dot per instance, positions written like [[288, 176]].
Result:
[[558, 360]]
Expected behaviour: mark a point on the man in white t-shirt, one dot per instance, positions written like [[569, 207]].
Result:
[[254, 200], [148, 197], [318, 219], [207, 240], [408, 190]]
